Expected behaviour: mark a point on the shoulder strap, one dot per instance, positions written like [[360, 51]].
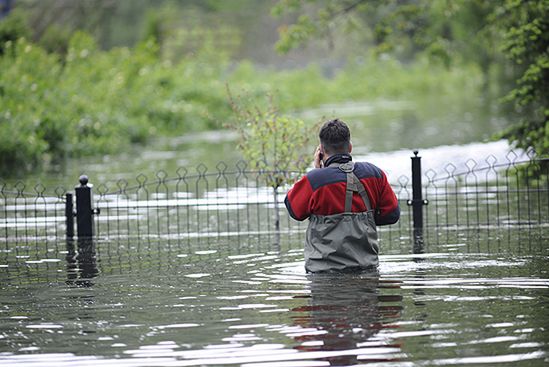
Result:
[[353, 185]]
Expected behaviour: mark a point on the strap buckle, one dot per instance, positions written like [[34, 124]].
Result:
[[347, 167]]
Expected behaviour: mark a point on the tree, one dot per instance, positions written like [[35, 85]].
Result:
[[484, 32], [274, 144], [526, 43]]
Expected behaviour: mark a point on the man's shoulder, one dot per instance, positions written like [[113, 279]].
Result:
[[319, 177], [367, 170]]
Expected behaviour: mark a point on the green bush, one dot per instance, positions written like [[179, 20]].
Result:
[[12, 28], [85, 100], [92, 101]]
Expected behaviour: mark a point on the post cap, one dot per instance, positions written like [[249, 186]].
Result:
[[83, 180], [416, 152]]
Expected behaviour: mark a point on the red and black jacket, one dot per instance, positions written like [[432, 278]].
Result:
[[322, 192]]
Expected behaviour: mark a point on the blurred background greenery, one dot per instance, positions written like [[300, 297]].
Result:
[[81, 78]]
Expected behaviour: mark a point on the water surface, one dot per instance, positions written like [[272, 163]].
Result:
[[468, 298], [250, 303], [378, 127]]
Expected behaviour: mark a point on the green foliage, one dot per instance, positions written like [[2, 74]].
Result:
[[447, 31], [13, 27], [526, 44], [362, 79], [296, 34], [61, 98], [92, 101], [272, 142], [56, 40], [392, 26], [27, 87], [482, 32], [153, 27]]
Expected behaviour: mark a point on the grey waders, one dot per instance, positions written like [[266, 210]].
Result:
[[345, 241]]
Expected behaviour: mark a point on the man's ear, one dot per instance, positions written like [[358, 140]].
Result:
[[350, 147], [322, 149]]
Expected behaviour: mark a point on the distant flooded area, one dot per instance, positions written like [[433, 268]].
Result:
[[383, 132]]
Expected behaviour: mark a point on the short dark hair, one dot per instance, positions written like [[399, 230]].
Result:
[[335, 137]]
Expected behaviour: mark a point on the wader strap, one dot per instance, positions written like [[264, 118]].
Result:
[[353, 185]]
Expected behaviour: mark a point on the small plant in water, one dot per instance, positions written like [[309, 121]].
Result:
[[277, 146]]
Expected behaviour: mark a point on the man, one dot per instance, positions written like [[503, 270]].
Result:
[[344, 202]]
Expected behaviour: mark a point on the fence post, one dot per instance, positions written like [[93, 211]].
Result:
[[84, 211], [417, 203], [69, 214]]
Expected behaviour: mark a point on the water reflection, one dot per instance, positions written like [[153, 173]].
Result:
[[348, 311], [81, 265], [250, 303]]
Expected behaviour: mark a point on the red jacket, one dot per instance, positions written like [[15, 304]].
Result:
[[322, 192]]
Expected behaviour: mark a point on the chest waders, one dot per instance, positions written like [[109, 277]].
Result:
[[344, 241]]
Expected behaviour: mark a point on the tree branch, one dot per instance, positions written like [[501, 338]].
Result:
[[349, 8]]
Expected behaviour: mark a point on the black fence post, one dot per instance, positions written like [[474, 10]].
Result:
[[84, 211], [417, 203], [69, 214], [84, 226]]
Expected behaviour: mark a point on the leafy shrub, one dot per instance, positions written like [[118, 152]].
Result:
[[85, 100], [92, 101], [12, 28], [271, 141]]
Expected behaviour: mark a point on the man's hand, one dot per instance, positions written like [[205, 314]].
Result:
[[318, 158]]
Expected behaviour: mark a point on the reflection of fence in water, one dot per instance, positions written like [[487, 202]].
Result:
[[226, 203], [57, 261]]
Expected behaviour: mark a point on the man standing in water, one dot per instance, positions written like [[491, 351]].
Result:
[[344, 202]]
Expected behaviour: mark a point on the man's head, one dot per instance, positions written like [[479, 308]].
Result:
[[335, 138]]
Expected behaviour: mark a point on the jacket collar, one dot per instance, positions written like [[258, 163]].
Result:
[[338, 158]]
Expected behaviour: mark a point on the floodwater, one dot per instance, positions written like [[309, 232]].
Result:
[[248, 303], [462, 300], [383, 132]]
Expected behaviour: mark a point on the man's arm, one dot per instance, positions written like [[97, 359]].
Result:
[[388, 211], [297, 199]]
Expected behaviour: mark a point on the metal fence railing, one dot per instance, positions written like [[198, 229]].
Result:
[[496, 199], [492, 198]]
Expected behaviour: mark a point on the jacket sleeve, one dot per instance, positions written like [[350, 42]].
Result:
[[298, 198], [388, 211]]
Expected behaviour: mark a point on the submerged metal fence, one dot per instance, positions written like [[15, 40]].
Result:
[[489, 197], [486, 197]]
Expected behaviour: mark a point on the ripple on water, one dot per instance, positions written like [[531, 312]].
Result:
[[259, 308]]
